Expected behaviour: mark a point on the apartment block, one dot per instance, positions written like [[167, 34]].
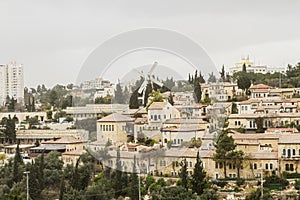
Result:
[[11, 82]]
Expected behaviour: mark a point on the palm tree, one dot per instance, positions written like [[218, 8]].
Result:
[[237, 158]]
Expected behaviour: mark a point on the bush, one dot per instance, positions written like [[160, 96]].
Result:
[[292, 175], [275, 182], [240, 181], [221, 183], [297, 184], [237, 189]]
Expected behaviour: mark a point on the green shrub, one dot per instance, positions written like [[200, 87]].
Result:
[[240, 181]]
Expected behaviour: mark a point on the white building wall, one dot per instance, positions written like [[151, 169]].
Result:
[[11, 82], [15, 81], [3, 84]]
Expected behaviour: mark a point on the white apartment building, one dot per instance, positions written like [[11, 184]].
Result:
[[251, 67], [97, 83], [11, 82]]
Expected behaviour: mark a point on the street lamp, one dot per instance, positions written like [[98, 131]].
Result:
[[261, 183], [27, 184]]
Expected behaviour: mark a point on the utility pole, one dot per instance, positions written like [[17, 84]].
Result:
[[140, 184], [262, 184], [27, 184]]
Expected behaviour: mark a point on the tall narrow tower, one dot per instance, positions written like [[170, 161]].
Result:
[[11, 82]]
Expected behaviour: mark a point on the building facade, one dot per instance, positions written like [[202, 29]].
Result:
[[11, 82], [251, 67]]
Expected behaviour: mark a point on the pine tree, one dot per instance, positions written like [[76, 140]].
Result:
[[198, 181], [224, 147]]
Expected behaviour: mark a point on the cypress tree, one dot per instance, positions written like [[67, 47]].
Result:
[[134, 182], [199, 177], [184, 174], [119, 97], [17, 174], [118, 177], [197, 90], [134, 102]]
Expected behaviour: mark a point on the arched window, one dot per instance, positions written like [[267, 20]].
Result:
[[291, 167], [287, 167], [255, 166], [288, 152], [284, 152]]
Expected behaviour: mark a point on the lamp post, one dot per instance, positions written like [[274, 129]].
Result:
[[27, 184], [261, 183]]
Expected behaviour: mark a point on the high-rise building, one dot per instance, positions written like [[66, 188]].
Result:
[[11, 82]]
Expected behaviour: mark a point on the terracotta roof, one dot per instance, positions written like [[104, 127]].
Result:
[[249, 101], [116, 117], [261, 86]]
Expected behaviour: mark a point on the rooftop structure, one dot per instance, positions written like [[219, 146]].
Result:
[[252, 67]]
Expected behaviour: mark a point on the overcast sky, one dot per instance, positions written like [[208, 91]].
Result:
[[52, 39]]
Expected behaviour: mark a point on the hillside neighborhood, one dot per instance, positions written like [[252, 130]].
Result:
[[238, 131]]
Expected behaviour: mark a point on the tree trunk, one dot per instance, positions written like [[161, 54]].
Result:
[[225, 173]]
